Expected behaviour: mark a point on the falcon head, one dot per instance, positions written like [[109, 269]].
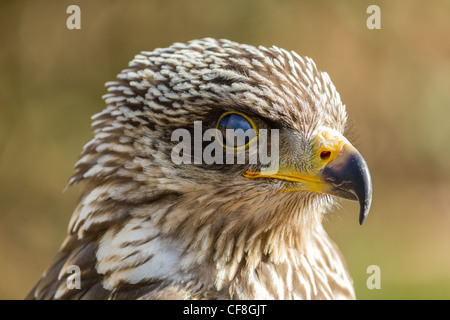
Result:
[[213, 219]]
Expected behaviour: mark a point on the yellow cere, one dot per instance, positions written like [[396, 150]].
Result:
[[329, 143]]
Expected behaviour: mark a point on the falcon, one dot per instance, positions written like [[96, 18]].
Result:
[[149, 227]]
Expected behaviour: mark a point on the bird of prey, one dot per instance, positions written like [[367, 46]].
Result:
[[149, 227]]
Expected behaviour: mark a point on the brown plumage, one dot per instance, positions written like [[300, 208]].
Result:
[[147, 228]]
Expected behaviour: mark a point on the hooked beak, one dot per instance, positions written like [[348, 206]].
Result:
[[347, 176]]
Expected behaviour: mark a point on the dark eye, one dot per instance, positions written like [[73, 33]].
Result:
[[237, 129]]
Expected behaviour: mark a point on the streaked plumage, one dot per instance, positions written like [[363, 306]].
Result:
[[146, 228]]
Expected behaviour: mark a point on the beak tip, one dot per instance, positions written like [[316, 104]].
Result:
[[362, 218], [365, 208], [351, 179]]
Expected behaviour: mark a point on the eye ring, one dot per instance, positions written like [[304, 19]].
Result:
[[250, 122]]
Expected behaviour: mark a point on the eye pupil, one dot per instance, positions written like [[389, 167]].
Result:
[[243, 131], [325, 155]]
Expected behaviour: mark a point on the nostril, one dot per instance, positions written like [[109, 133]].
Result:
[[325, 155]]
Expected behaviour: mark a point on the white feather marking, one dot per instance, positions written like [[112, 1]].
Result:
[[158, 257]]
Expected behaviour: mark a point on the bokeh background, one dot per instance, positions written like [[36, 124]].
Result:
[[394, 81]]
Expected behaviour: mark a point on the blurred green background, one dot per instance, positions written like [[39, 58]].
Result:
[[394, 81]]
